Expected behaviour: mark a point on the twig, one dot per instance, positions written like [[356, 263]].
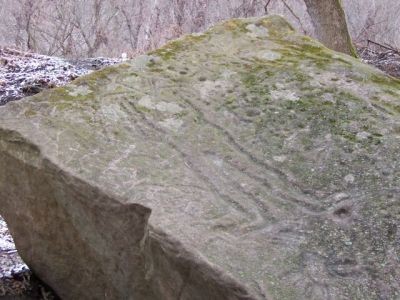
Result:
[[294, 15], [266, 6], [8, 251], [383, 46]]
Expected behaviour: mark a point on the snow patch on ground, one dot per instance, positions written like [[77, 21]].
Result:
[[388, 61], [24, 74], [11, 265]]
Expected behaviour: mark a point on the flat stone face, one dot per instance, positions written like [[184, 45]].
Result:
[[248, 162]]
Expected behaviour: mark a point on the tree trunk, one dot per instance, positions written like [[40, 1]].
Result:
[[330, 25]]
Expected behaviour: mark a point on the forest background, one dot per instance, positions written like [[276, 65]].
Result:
[[89, 28]]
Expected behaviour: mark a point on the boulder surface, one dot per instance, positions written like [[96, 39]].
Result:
[[248, 162]]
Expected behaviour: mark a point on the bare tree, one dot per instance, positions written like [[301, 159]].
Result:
[[133, 18], [27, 16], [77, 28], [92, 24], [330, 25]]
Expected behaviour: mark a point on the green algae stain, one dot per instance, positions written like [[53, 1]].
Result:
[[390, 84], [171, 49], [97, 78]]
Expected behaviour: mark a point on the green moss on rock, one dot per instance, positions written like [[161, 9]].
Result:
[[272, 156]]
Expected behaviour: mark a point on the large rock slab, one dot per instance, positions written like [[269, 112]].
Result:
[[248, 162]]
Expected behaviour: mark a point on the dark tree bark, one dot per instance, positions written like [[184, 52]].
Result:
[[330, 25]]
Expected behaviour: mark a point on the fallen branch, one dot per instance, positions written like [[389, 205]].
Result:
[[383, 46]]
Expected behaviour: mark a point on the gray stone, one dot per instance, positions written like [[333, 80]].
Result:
[[216, 167]]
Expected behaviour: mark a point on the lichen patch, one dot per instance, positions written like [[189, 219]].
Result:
[[257, 31], [172, 124], [269, 55], [81, 90], [149, 103]]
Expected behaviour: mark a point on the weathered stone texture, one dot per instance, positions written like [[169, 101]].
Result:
[[248, 162]]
